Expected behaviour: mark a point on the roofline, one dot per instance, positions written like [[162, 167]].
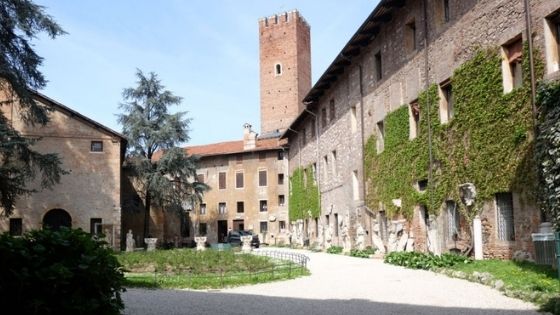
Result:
[[236, 152], [75, 113], [343, 58]]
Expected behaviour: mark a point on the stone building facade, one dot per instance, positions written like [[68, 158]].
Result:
[[399, 50], [89, 196]]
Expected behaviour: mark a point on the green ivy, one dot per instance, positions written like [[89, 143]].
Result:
[[488, 142], [304, 195]]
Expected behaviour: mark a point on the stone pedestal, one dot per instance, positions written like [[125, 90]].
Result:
[[200, 242], [246, 243], [151, 244], [129, 241]]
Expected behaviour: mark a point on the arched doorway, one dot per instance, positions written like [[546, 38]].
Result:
[[56, 218]]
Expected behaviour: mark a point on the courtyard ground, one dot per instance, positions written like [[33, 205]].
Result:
[[337, 285]]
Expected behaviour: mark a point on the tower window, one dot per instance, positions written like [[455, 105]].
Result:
[[278, 69]]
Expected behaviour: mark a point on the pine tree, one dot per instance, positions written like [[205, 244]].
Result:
[[20, 22], [165, 175]]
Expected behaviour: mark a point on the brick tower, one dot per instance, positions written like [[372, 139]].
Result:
[[285, 69]]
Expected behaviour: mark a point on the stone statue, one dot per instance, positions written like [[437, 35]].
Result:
[[130, 244], [467, 192], [360, 238]]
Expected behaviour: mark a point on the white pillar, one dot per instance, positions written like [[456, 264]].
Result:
[[477, 231]]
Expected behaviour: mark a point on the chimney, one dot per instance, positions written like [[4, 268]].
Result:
[[249, 137]]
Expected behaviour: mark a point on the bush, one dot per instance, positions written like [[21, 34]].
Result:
[[362, 253], [416, 260], [59, 272], [334, 250]]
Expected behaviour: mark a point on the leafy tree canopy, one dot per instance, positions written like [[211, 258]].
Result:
[[166, 175], [20, 22]]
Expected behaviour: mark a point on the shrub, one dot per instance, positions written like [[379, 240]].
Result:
[[416, 260], [334, 250], [59, 272], [362, 253]]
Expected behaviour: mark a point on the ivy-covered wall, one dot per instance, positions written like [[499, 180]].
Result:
[[304, 195], [488, 142]]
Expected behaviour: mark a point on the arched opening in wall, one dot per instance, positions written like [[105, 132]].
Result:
[[278, 69], [57, 218]]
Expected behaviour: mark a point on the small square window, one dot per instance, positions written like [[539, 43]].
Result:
[[202, 208], [280, 179], [96, 146], [240, 207], [222, 208], [263, 205], [422, 185], [95, 226], [281, 225], [16, 227], [202, 229], [263, 226], [281, 200], [262, 178]]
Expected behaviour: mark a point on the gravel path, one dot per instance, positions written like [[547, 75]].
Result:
[[338, 285]]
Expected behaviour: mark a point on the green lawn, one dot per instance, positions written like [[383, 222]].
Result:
[[187, 268], [523, 280]]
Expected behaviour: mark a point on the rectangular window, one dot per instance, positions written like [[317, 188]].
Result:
[[355, 185], [336, 224], [262, 156], [95, 226], [504, 206], [239, 159], [378, 67], [353, 120], [96, 146], [303, 134], [332, 110], [16, 227], [263, 226], [262, 178], [263, 205], [280, 179], [380, 141], [239, 180], [202, 229], [410, 33], [326, 167], [312, 129], [422, 185], [200, 178], [446, 12], [222, 180], [333, 163], [202, 208], [552, 42], [314, 172], [414, 111], [222, 208], [446, 103], [280, 155], [316, 227], [511, 65], [281, 200], [452, 220], [323, 117], [281, 225], [240, 207]]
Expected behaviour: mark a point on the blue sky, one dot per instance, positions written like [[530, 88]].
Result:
[[204, 51]]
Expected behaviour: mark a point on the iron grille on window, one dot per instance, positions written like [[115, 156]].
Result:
[[504, 205], [452, 219]]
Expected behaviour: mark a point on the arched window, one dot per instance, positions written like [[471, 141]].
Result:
[[278, 69], [57, 218]]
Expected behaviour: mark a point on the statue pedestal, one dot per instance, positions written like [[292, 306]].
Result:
[[246, 243], [151, 244], [200, 242]]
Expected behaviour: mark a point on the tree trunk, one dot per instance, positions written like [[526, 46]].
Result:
[[147, 207]]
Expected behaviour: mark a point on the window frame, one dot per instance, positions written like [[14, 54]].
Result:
[[220, 211], [92, 148], [237, 178], [220, 186], [260, 172], [263, 204]]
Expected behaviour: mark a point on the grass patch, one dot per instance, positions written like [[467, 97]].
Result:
[[523, 280], [187, 268]]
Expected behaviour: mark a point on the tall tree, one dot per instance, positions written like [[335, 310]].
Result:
[[20, 22], [165, 174]]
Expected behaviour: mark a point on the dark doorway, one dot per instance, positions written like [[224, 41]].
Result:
[[222, 231], [57, 218], [238, 225]]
